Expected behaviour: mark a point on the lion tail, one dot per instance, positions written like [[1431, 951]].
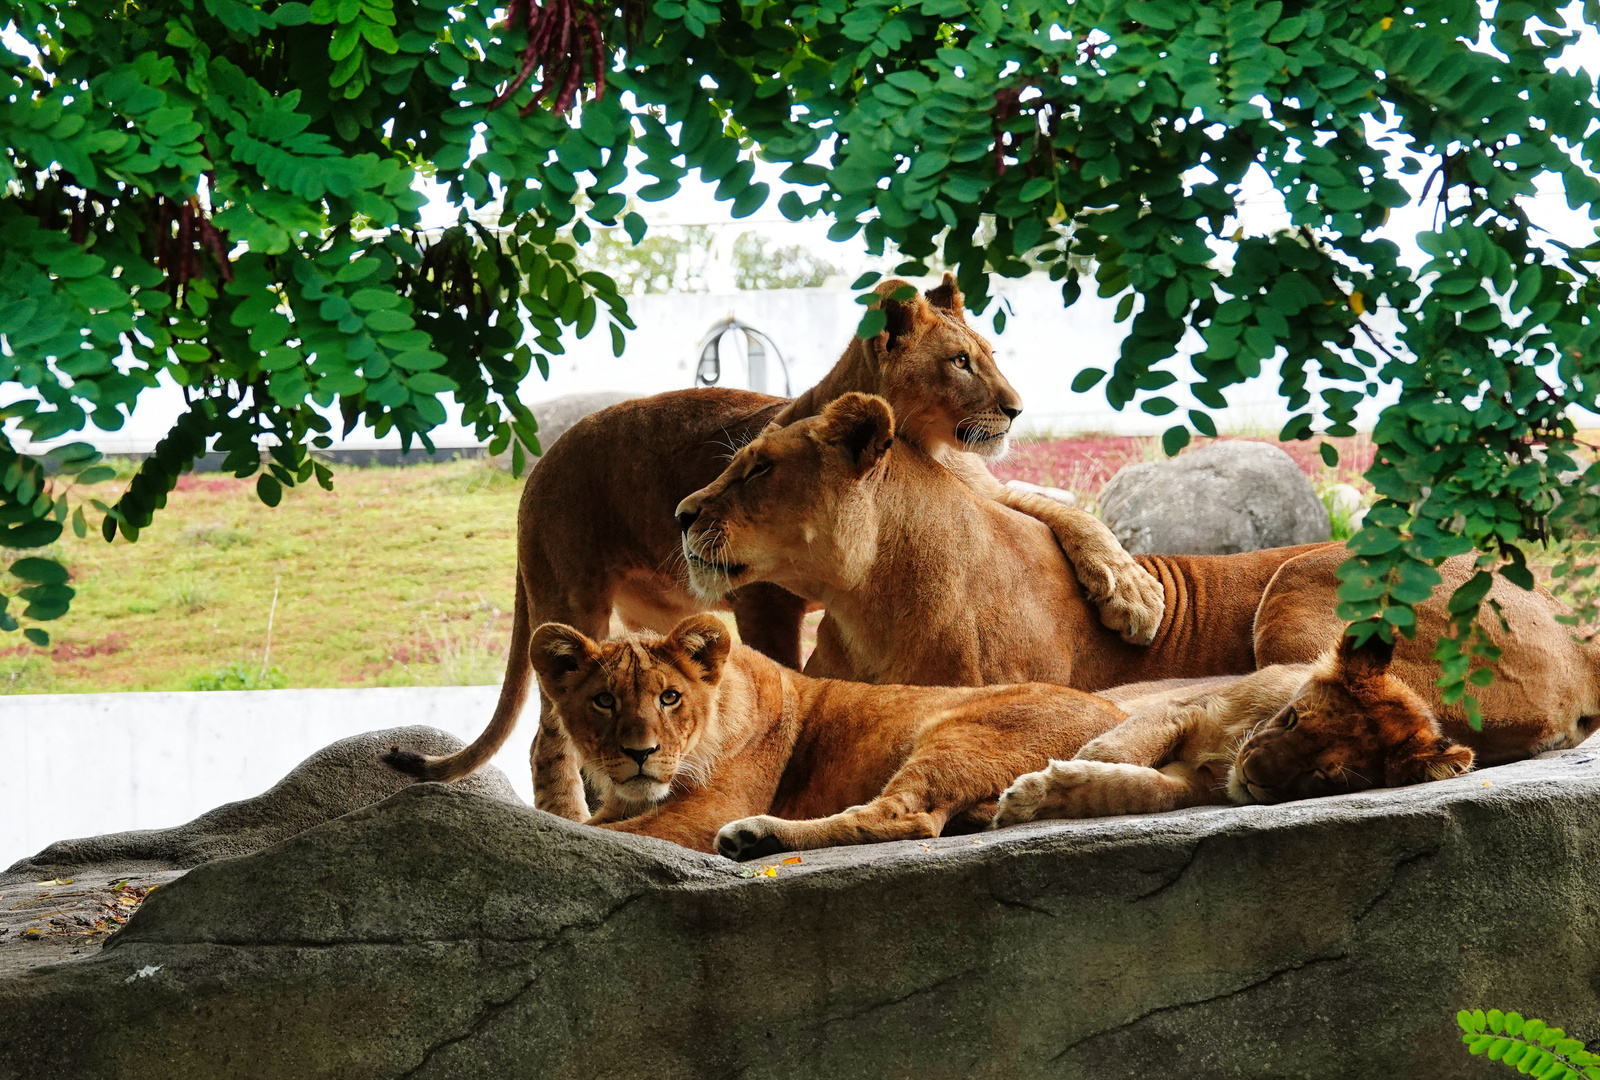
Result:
[[513, 695]]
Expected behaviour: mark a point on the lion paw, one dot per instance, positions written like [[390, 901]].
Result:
[[1066, 789], [1021, 801], [1130, 599], [749, 838]]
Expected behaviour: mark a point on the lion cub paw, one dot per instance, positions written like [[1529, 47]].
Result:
[[750, 838], [1065, 789]]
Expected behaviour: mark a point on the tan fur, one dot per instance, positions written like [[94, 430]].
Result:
[[718, 747], [1288, 731], [925, 581], [595, 529]]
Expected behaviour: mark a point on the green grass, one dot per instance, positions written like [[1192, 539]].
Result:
[[398, 577]]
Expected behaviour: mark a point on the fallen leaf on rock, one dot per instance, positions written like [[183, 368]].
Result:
[[792, 860], [769, 871]]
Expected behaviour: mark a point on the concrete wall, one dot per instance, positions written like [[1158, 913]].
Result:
[[85, 764]]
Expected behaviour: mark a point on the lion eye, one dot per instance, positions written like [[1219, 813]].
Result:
[[962, 361], [760, 470], [670, 697], [1290, 719], [605, 701]]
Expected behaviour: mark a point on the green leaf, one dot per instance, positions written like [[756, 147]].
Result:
[[872, 323], [269, 490], [869, 278], [1086, 379], [1174, 439], [1330, 455], [37, 636], [42, 571]]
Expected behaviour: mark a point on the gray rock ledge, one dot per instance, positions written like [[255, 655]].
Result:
[[443, 934]]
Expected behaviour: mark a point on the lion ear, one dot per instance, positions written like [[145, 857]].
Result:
[[561, 656], [1436, 759], [901, 315], [704, 640], [947, 296], [1365, 662], [862, 425]]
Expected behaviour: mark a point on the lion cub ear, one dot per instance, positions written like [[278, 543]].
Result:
[[704, 641], [947, 296], [561, 656], [1361, 664], [862, 425], [901, 316], [1435, 759]]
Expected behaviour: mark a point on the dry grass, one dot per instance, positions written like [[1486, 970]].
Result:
[[398, 577]]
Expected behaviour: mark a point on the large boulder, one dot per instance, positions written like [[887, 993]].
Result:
[[337, 779], [1222, 498], [443, 934]]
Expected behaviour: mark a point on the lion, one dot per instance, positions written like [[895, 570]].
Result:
[[928, 582], [717, 747], [595, 525], [1288, 731]]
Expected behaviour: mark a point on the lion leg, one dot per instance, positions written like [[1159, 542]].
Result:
[[960, 762], [1087, 789], [769, 619], [1130, 599], [557, 781], [888, 817]]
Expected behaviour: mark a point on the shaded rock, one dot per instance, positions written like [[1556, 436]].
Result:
[[558, 414], [440, 933], [335, 780], [1220, 499]]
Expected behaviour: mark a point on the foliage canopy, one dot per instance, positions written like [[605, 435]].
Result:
[[229, 190]]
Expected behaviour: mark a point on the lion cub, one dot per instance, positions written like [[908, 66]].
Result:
[[717, 747], [1289, 731]]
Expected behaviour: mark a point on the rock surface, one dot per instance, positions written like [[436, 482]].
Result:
[[1220, 499], [335, 780], [443, 934]]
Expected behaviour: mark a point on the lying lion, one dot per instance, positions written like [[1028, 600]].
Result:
[[595, 526], [1289, 731], [927, 582], [687, 736]]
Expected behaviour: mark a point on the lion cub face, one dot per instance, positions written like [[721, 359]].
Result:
[[640, 711], [940, 375], [1354, 726], [792, 507]]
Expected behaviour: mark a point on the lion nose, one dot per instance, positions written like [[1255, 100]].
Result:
[[1011, 414], [639, 756], [687, 518]]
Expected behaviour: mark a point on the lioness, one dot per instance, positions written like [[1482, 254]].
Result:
[[595, 529], [927, 582], [687, 736], [1288, 731]]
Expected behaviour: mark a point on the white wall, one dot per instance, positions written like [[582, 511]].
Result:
[[84, 764]]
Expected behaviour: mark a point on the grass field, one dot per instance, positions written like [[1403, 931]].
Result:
[[397, 577]]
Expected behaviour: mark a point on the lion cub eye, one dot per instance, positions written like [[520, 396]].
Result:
[[962, 361], [605, 701], [670, 697], [1290, 719]]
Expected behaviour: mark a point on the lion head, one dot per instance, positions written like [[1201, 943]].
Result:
[[937, 373], [1352, 727], [640, 711], [793, 504]]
